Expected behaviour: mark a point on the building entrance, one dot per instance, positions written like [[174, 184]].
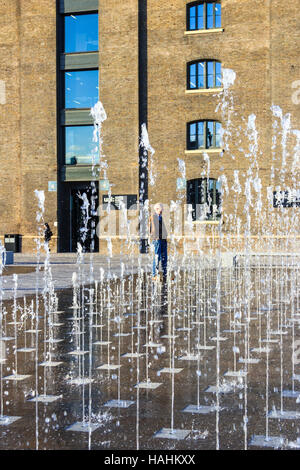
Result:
[[83, 217]]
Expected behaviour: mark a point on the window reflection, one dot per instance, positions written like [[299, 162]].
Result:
[[193, 77], [218, 15], [204, 74], [204, 15], [81, 33], [81, 89], [192, 22], [218, 74], [204, 195], [204, 134], [210, 75], [210, 16], [79, 146]]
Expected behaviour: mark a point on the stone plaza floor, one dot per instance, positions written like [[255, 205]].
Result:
[[127, 363]]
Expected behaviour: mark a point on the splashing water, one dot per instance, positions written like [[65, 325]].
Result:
[[145, 144]]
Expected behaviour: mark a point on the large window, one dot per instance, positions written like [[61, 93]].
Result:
[[203, 135], [204, 195], [203, 15], [203, 74], [81, 89], [81, 33], [79, 146]]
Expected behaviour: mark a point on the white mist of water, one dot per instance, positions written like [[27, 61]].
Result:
[[228, 78], [145, 144], [285, 120]]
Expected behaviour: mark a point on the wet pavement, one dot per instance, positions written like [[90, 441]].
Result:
[[142, 352]]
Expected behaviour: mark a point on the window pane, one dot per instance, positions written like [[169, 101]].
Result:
[[218, 74], [210, 9], [210, 81], [218, 15], [201, 66], [192, 18], [79, 146], [209, 16], [209, 134], [202, 191], [200, 141], [200, 134], [193, 78], [210, 67], [210, 75], [81, 89], [192, 137], [81, 33], [211, 184], [219, 80], [192, 132], [218, 134], [200, 17]]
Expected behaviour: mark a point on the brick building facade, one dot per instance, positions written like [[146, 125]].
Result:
[[143, 56]]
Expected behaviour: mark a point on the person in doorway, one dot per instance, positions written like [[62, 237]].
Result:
[[47, 233], [159, 234]]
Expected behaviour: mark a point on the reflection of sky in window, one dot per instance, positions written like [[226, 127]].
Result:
[[211, 183], [218, 74], [200, 17], [218, 15], [218, 134], [192, 132], [200, 134], [200, 127], [79, 144], [201, 74], [204, 130], [209, 16], [192, 12], [193, 78], [81, 33], [213, 16], [81, 89], [196, 72], [210, 74]]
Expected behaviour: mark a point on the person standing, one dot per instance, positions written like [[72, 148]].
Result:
[[47, 233], [159, 234]]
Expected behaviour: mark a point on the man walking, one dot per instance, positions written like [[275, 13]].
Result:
[[159, 235]]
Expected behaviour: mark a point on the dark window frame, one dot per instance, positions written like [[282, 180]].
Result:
[[204, 3], [205, 121], [205, 75], [199, 193]]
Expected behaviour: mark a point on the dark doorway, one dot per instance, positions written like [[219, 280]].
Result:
[[83, 217]]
